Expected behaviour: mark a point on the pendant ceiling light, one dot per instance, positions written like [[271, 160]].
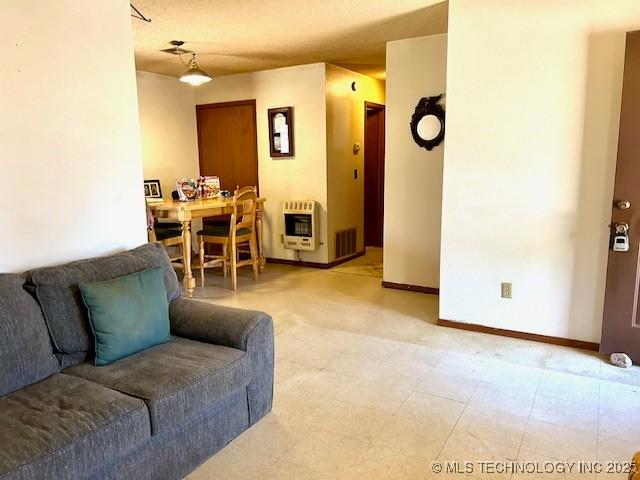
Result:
[[194, 74]]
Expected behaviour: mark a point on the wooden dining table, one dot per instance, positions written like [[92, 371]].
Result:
[[185, 212]]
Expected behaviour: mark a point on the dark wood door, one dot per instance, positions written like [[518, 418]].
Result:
[[373, 174], [621, 322], [227, 143]]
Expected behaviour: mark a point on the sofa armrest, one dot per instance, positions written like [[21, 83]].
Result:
[[246, 330], [206, 322]]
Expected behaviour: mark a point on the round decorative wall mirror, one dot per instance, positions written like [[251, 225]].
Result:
[[427, 123]]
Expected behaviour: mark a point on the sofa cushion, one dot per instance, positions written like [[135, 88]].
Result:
[[127, 314], [177, 380], [26, 355], [57, 290], [67, 428]]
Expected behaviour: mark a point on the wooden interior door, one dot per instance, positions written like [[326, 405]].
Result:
[[621, 321], [227, 142], [373, 174]]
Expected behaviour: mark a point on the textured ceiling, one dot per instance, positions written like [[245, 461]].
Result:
[[233, 36]]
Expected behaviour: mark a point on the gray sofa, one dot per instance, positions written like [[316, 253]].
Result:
[[154, 415]]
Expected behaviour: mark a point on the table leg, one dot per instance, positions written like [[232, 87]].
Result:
[[188, 281], [261, 259]]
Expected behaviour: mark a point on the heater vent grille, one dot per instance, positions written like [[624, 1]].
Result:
[[345, 242]]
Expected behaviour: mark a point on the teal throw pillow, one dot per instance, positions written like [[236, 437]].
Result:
[[127, 314]]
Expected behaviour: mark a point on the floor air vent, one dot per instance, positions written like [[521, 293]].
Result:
[[345, 242]]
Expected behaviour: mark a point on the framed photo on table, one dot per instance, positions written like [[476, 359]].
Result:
[[152, 190], [281, 132]]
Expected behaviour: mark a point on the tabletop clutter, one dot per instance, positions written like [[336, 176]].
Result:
[[202, 187]]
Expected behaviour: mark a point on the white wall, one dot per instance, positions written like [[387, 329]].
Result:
[[70, 164], [416, 68], [534, 94], [168, 130], [303, 176], [168, 133], [345, 126]]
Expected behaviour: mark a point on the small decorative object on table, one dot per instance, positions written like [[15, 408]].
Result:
[[209, 186], [152, 190], [281, 132], [187, 189]]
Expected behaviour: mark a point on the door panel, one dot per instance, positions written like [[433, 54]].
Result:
[[621, 325], [374, 175], [227, 142]]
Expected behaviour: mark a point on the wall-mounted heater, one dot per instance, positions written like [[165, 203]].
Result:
[[301, 230]]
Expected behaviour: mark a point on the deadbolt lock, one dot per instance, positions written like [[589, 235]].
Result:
[[621, 228], [620, 241], [623, 204]]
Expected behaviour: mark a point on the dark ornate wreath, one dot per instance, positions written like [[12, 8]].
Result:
[[428, 106]]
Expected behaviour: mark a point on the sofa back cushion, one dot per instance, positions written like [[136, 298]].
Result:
[[57, 289], [26, 355]]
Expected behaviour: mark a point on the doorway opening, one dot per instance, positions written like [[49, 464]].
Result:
[[374, 148]]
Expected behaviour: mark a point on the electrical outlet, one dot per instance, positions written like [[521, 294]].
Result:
[[506, 290], [282, 238]]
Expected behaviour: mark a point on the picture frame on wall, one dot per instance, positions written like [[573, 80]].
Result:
[[152, 190], [281, 142]]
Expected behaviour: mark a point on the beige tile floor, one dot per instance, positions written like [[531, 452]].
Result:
[[368, 387], [369, 265]]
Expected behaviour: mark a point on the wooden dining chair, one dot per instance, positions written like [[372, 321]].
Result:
[[240, 230], [168, 235]]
